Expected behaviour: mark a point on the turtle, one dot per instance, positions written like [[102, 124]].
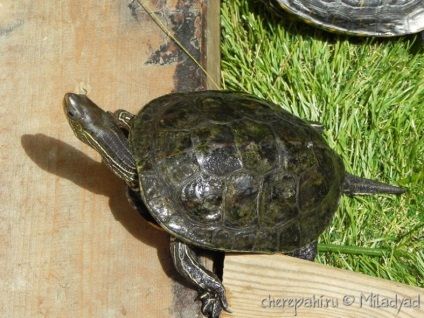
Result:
[[223, 171], [383, 18]]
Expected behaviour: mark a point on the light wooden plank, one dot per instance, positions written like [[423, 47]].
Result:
[[282, 286]]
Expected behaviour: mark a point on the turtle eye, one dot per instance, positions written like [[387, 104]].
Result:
[[71, 114]]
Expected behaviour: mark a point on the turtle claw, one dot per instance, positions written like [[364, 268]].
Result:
[[213, 303]]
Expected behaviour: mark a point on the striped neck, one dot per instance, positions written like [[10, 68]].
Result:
[[101, 131]]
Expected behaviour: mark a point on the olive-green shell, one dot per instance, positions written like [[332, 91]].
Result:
[[361, 17], [229, 171]]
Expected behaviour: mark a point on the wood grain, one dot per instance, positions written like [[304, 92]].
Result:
[[283, 286], [70, 244]]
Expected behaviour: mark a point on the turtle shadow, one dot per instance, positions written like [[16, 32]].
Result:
[[64, 161]]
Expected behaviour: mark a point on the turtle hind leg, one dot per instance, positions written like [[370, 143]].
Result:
[[211, 290], [307, 252]]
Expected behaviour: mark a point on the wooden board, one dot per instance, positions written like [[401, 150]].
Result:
[[282, 286], [70, 245]]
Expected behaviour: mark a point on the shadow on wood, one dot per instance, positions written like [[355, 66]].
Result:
[[98, 179]]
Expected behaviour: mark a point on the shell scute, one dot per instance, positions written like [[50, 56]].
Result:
[[223, 238], [215, 149], [152, 186], [179, 168], [313, 189], [245, 240], [291, 236], [213, 107], [257, 146], [171, 142], [300, 158], [180, 116], [241, 201], [267, 240], [256, 110], [162, 211], [278, 201], [203, 198]]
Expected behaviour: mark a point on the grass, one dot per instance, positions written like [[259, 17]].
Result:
[[369, 94]]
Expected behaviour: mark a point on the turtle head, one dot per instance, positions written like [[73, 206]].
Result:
[[99, 129], [89, 122]]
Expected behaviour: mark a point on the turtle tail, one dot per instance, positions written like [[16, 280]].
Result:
[[354, 185]]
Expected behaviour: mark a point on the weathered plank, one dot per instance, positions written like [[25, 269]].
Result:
[[70, 244]]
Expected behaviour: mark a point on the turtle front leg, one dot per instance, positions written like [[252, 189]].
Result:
[[211, 290], [123, 118]]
